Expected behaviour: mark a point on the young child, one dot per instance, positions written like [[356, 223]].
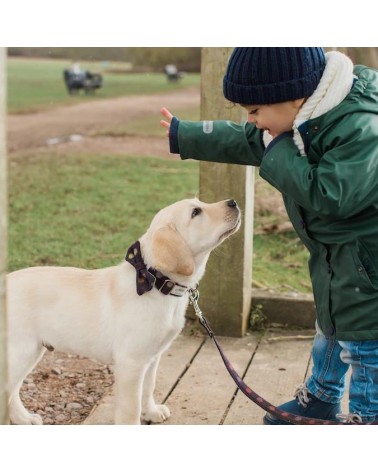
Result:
[[313, 130]]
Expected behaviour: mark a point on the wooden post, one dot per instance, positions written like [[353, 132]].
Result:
[[365, 56], [226, 287], [3, 241]]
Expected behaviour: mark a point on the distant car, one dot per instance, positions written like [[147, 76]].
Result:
[[172, 73], [83, 80]]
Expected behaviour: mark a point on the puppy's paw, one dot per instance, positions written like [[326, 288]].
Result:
[[36, 419], [158, 414], [26, 419]]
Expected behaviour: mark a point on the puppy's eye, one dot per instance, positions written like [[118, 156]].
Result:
[[196, 212]]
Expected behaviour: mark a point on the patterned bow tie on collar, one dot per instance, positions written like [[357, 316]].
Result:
[[144, 280]]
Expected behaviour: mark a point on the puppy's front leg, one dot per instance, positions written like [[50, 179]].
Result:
[[150, 410], [128, 391]]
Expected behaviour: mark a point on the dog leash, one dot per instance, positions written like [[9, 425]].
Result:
[[253, 396]]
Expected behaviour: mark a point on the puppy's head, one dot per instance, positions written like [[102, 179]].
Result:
[[183, 232]]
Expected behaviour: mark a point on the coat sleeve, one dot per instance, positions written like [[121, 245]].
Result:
[[217, 141], [343, 183]]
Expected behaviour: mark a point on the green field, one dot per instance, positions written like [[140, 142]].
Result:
[[37, 84], [86, 210]]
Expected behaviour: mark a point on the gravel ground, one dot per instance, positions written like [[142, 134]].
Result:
[[63, 388]]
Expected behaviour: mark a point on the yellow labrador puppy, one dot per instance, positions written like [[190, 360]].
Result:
[[126, 315]]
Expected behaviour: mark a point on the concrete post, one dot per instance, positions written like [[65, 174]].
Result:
[[226, 287], [3, 240]]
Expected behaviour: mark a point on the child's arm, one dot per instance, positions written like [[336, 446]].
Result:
[[215, 141]]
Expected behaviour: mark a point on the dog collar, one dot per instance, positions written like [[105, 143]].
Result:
[[166, 285], [146, 279]]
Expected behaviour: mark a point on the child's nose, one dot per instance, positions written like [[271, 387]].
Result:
[[251, 119]]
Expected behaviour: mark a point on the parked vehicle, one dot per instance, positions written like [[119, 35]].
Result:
[[172, 73], [81, 80]]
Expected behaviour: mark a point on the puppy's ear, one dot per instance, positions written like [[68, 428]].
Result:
[[171, 253]]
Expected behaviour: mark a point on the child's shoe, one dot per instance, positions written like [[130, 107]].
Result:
[[306, 405]]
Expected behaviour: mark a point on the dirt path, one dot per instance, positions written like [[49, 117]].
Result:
[[33, 130]]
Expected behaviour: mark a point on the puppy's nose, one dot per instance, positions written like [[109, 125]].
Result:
[[231, 203]]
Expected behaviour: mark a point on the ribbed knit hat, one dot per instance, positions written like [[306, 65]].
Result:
[[259, 76]]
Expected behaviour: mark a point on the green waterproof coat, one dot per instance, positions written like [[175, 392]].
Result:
[[331, 197]]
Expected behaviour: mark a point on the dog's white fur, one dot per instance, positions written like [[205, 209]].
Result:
[[98, 314]]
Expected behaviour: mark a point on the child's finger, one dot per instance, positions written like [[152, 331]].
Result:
[[165, 124], [167, 114]]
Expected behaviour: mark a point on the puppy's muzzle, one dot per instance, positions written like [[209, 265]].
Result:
[[233, 216]]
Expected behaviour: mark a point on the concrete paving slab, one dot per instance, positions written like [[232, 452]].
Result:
[[195, 385]]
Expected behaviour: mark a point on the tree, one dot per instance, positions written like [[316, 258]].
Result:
[[187, 59]]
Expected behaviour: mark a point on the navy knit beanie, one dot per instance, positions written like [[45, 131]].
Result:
[[261, 76]]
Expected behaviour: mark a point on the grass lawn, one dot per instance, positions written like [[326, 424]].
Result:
[[87, 210], [280, 262], [36, 84]]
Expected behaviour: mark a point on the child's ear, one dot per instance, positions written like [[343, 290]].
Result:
[[299, 102]]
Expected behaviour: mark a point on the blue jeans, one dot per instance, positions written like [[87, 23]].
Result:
[[331, 361]]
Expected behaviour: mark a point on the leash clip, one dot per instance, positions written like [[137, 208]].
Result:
[[193, 299]]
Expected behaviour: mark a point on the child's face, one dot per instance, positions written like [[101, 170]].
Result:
[[275, 118]]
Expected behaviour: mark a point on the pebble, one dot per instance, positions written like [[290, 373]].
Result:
[[61, 418], [69, 375], [56, 370], [74, 406]]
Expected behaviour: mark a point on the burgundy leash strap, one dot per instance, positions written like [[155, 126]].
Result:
[[261, 402]]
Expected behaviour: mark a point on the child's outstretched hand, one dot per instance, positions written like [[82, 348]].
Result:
[[167, 124]]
